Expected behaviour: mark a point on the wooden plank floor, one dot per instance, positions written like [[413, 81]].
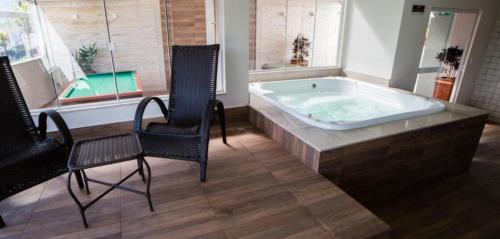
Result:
[[255, 189], [248, 183], [465, 207]]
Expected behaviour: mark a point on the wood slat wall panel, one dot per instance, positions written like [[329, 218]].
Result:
[[187, 22]]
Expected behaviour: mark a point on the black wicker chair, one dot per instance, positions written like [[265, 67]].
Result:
[[192, 104], [27, 156]]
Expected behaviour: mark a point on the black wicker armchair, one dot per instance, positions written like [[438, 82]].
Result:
[[192, 104], [27, 156]]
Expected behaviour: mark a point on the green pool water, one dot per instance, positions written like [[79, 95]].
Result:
[[102, 84]]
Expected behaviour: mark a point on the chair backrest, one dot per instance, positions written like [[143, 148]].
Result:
[[17, 129], [193, 82]]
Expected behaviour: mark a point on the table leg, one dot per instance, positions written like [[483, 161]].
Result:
[[86, 181], [78, 203], [79, 180]]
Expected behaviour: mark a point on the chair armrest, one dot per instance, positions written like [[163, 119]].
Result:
[[207, 117], [139, 113], [60, 124]]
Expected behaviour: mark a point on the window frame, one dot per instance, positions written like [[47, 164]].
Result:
[[339, 58]]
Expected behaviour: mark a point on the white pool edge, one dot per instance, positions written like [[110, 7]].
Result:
[[254, 88]]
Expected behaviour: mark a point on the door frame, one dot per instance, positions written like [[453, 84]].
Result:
[[467, 50]]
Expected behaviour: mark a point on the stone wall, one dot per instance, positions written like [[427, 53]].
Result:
[[270, 32]]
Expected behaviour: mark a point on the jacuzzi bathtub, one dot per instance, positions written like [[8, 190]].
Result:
[[340, 103]]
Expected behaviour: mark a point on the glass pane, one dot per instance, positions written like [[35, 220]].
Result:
[[252, 35], [436, 38], [187, 22], [77, 44], [327, 31], [270, 38], [294, 33], [21, 41], [194, 22], [425, 84], [300, 33], [139, 61]]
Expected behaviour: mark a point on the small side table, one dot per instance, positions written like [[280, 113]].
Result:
[[105, 151]]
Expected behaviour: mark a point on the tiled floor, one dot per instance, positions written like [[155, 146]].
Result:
[[255, 189], [465, 207]]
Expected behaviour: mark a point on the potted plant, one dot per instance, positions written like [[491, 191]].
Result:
[[85, 57], [450, 58], [300, 50]]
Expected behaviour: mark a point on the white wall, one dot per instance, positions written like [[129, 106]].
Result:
[[236, 53], [463, 25], [371, 36], [412, 38]]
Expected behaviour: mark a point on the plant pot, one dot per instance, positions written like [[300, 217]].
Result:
[[300, 62], [443, 88]]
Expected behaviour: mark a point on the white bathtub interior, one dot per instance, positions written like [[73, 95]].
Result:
[[341, 103]]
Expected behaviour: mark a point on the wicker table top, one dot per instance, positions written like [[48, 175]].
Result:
[[103, 151]]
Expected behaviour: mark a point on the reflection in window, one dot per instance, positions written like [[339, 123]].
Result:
[[21, 41], [294, 33], [18, 38]]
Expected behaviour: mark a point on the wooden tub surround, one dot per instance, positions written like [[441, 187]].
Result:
[[373, 163]]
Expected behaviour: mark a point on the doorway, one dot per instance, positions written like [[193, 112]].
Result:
[[445, 53]]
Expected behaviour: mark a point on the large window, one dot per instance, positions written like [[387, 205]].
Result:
[[291, 34], [75, 52]]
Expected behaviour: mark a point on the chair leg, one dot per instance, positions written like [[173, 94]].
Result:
[[222, 120], [203, 171], [2, 223], [79, 178], [140, 164], [148, 186]]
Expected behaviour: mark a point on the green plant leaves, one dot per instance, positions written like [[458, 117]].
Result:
[[301, 46], [451, 57], [85, 56]]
